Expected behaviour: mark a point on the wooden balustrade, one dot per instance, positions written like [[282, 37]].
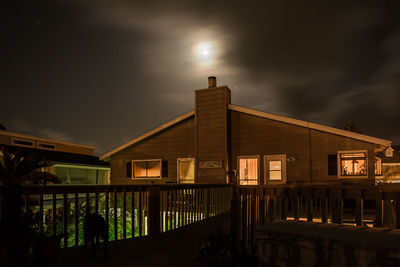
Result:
[[137, 210], [129, 210], [362, 204]]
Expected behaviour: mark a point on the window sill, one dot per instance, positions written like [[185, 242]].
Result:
[[146, 178], [351, 177]]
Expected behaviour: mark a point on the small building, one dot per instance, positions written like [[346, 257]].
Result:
[[388, 165], [219, 142], [70, 163]]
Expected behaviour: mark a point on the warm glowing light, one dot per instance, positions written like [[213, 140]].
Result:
[[205, 53]]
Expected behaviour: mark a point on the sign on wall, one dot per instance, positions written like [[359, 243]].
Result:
[[211, 164]]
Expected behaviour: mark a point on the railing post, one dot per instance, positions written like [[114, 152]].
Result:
[[295, 203], [235, 215], [244, 217], [397, 210], [324, 206], [154, 210], [359, 208], [252, 218], [65, 220], [336, 199], [284, 204], [208, 198], [309, 204], [379, 209]]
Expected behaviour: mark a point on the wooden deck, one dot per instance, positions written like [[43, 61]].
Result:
[[173, 248]]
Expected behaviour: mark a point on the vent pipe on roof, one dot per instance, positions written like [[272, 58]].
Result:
[[212, 82]]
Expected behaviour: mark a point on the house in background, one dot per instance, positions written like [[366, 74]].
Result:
[[218, 142], [388, 162], [71, 163]]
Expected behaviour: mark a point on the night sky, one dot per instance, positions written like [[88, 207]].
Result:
[[103, 72]]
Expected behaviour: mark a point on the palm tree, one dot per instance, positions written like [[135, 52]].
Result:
[[17, 167]]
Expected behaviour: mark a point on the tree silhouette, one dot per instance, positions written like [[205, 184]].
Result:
[[352, 126], [18, 166]]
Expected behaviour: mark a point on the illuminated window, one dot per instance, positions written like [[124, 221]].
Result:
[[186, 170], [378, 166], [353, 163], [248, 170], [275, 168], [146, 168]]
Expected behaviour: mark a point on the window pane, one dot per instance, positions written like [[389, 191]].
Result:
[[275, 170], [275, 175], [353, 164], [186, 170], [248, 171], [140, 169], [347, 167], [153, 169], [275, 165], [378, 166], [359, 167]]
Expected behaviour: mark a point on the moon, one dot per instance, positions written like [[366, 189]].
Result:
[[205, 53]]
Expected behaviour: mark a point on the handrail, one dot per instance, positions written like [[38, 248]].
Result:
[[355, 204], [129, 210]]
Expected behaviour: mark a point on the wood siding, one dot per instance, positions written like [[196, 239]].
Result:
[[211, 132], [253, 135], [168, 145]]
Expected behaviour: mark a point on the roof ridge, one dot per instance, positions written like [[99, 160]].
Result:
[[311, 125]]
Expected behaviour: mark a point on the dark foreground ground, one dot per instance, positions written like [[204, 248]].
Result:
[[173, 248]]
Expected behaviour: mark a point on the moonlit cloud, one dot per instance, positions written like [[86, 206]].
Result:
[[113, 70]]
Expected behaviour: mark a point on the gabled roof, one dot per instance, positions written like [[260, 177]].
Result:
[[148, 134], [284, 119], [390, 160], [311, 125]]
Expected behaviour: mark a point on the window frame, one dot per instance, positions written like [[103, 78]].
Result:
[[378, 160], [146, 177], [14, 142], [257, 157], [178, 160], [340, 164], [44, 145], [389, 152], [279, 157]]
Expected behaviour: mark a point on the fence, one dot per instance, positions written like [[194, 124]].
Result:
[[129, 210]]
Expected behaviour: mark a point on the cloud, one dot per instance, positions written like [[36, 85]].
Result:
[[325, 62]]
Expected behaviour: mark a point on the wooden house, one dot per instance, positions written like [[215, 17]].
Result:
[[219, 142], [388, 165], [71, 163]]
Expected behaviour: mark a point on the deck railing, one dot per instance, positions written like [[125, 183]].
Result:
[[137, 210], [369, 205], [129, 210]]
